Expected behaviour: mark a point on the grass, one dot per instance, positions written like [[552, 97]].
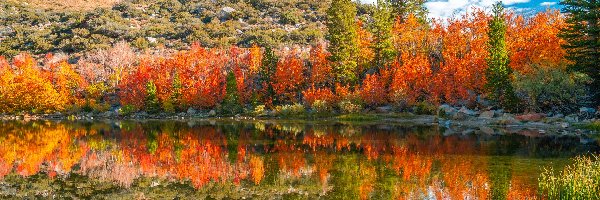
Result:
[[594, 126], [580, 180]]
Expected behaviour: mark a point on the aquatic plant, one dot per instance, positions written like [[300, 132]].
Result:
[[581, 180]]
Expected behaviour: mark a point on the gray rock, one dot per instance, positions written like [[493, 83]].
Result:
[[383, 109], [191, 111], [467, 111], [447, 110], [558, 115], [572, 118], [225, 12], [586, 113], [108, 114], [459, 116], [564, 125], [212, 113], [487, 114]]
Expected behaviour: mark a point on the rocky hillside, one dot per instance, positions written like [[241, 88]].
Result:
[[84, 25]]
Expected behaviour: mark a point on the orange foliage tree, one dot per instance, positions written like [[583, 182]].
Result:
[[25, 87], [288, 77], [535, 41]]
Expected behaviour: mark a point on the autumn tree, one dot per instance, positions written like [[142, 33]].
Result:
[[583, 39], [343, 40], [320, 67], [288, 77], [499, 73]]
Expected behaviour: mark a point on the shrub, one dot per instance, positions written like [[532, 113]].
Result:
[[347, 107], [311, 95], [551, 89], [127, 110], [321, 107], [424, 108], [290, 110], [259, 110], [373, 90], [580, 180]]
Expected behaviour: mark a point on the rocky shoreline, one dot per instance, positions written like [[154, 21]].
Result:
[[459, 119]]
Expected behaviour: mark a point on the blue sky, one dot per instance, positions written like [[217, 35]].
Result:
[[448, 8]]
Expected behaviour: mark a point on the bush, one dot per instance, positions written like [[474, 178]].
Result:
[[127, 110], [347, 107], [321, 107], [551, 90], [424, 108], [578, 181], [290, 110], [259, 110]]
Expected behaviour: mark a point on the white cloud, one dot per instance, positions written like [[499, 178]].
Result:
[[546, 3], [448, 8]]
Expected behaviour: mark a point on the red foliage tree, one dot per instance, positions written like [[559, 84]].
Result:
[[288, 77]]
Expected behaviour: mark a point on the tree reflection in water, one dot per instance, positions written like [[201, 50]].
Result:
[[253, 159]]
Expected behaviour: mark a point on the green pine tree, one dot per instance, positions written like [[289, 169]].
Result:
[[231, 105], [267, 70], [403, 8], [499, 73], [176, 95], [343, 40], [383, 45], [583, 39], [152, 104]]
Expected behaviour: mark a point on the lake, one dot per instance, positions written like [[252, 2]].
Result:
[[231, 159]]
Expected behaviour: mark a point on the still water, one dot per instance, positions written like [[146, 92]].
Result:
[[219, 159]]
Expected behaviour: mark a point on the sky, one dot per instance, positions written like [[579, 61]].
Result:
[[447, 8]]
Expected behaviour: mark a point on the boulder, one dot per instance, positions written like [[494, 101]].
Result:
[[487, 114], [226, 12], [459, 116], [383, 109], [586, 113], [572, 118], [531, 117], [191, 111], [212, 113], [446, 110], [467, 111], [507, 119]]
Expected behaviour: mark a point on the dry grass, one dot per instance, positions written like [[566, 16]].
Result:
[[69, 4]]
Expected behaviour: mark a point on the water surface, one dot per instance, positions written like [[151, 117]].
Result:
[[274, 160]]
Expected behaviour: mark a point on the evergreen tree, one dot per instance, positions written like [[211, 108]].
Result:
[[268, 67], [231, 103], [343, 40], [152, 104], [176, 95], [499, 73], [402, 8], [583, 39], [382, 30]]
